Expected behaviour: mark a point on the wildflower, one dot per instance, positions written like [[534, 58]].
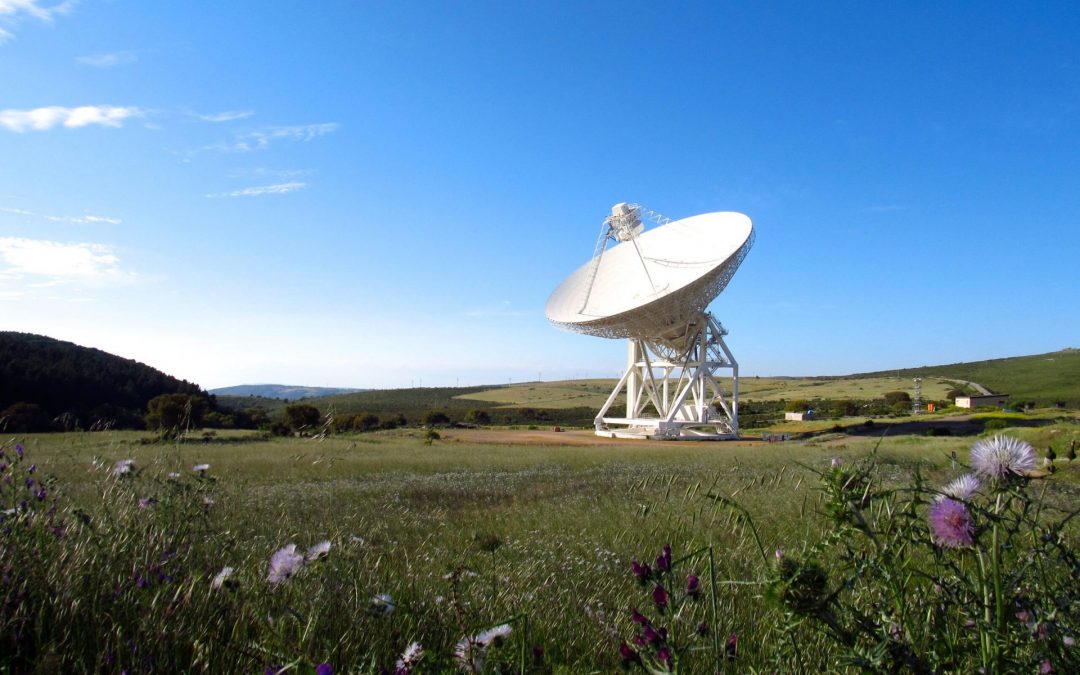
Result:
[[702, 629], [951, 523], [318, 551], [284, 563], [469, 655], [834, 462], [174, 475], [123, 467], [663, 655], [383, 604], [693, 586], [29, 482], [1002, 456], [32, 469], [538, 655], [142, 582], [641, 571], [960, 489], [653, 636], [663, 561], [201, 468], [731, 647], [19, 450], [222, 578], [208, 501], [628, 655], [494, 636], [660, 597], [147, 502], [409, 659], [779, 554], [1046, 666], [1068, 640], [638, 617], [40, 494], [324, 669]]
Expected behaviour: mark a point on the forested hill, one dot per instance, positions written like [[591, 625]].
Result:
[[91, 385]]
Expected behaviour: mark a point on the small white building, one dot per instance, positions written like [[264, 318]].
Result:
[[796, 416], [993, 400]]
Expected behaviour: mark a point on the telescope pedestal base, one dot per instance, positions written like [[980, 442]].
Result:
[[677, 395]]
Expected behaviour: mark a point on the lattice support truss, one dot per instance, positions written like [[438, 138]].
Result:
[[677, 394]]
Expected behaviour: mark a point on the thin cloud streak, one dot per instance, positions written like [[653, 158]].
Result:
[[109, 60], [226, 116], [11, 11], [261, 139], [279, 189], [84, 219], [43, 119]]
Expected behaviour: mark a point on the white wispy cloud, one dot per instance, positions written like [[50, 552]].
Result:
[[11, 11], [226, 116], [279, 189], [57, 261], [42, 119], [262, 138], [83, 219], [262, 171], [107, 60]]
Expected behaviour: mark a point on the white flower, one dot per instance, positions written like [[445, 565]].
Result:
[[318, 550], [201, 468], [409, 658], [284, 563], [174, 475], [469, 655], [1002, 456], [221, 577], [494, 636], [962, 488], [383, 604], [123, 467]]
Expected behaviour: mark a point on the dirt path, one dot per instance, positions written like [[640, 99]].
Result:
[[573, 438]]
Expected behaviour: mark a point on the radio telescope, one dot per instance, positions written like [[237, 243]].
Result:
[[652, 288]]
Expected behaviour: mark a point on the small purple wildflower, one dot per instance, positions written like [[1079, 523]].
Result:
[[693, 586], [324, 669], [142, 582], [641, 571], [40, 494], [702, 629], [1046, 667], [638, 618], [652, 636], [1002, 456], [663, 561], [663, 655], [834, 462], [19, 450], [628, 655], [147, 502], [29, 482], [779, 554], [32, 469], [731, 647], [409, 659], [660, 597], [951, 524]]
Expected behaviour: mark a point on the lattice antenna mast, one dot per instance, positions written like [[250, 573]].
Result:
[[624, 224], [916, 401]]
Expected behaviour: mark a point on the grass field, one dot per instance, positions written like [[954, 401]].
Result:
[[417, 521]]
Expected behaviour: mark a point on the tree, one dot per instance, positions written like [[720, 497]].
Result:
[[302, 416], [175, 412], [24, 417], [436, 418], [366, 422], [478, 417], [894, 397]]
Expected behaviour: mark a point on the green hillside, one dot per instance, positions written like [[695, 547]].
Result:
[[1046, 379]]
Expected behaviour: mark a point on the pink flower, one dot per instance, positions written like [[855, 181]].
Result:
[[951, 524], [660, 596], [284, 563]]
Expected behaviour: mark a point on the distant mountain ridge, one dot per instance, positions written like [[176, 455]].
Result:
[[285, 391]]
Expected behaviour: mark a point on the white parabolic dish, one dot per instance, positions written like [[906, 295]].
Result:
[[688, 263]]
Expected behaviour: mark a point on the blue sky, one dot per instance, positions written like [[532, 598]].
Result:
[[375, 195]]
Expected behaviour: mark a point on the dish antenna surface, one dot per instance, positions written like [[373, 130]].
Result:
[[653, 288]]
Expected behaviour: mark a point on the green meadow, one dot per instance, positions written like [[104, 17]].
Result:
[[462, 536]]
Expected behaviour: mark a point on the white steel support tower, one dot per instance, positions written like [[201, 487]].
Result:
[[675, 390]]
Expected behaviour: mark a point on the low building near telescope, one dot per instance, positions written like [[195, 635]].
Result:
[[797, 416], [992, 400]]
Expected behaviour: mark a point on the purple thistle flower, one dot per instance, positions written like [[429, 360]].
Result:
[[660, 596], [731, 647], [324, 669], [638, 618], [652, 636], [628, 655], [663, 655], [951, 524], [1002, 456], [663, 561], [147, 502], [693, 586], [641, 571], [962, 489], [284, 563]]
